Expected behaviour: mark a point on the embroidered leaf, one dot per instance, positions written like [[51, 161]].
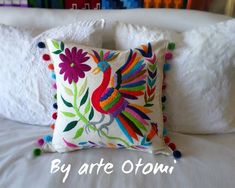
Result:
[[84, 98], [152, 91], [153, 59], [68, 91], [151, 82], [152, 74], [91, 115], [151, 98], [83, 88], [148, 90], [82, 143], [69, 114], [71, 145], [145, 142], [55, 44], [145, 97], [62, 46], [92, 143], [101, 54], [152, 67], [70, 126], [57, 52], [68, 104], [88, 106], [148, 105], [79, 133]]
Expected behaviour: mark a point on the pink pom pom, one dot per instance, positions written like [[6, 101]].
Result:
[[40, 142], [168, 56], [54, 86]]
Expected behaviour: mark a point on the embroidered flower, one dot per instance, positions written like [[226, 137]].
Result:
[[73, 66]]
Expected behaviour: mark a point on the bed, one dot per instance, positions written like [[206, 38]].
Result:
[[208, 160]]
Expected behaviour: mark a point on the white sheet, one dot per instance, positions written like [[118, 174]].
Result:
[[208, 162]]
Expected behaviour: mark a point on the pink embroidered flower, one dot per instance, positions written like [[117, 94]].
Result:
[[73, 66]]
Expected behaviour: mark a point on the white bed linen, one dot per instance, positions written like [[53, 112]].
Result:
[[163, 18], [208, 162]]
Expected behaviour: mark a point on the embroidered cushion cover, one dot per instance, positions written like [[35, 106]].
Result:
[[109, 98]]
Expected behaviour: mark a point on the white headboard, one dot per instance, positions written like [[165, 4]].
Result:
[[43, 19]]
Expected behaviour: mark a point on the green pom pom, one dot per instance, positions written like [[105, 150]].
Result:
[[171, 46], [37, 152]]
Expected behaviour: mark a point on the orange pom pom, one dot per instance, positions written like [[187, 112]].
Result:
[[52, 126], [51, 67]]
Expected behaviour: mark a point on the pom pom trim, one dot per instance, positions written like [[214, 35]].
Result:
[[41, 45], [46, 57], [37, 152], [47, 138], [168, 56]]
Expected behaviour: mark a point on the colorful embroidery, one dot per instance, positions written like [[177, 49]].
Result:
[[128, 82], [117, 96], [73, 66], [149, 94]]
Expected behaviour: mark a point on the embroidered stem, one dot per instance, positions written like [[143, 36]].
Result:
[[114, 138], [82, 118], [149, 94]]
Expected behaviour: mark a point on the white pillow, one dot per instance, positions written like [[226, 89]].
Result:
[[201, 84], [24, 78]]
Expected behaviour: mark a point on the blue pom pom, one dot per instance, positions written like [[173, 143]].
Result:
[[41, 45], [55, 105], [177, 154], [166, 67], [47, 138], [53, 76], [164, 132]]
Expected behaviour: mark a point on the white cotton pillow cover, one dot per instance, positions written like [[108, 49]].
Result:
[[201, 83], [26, 92]]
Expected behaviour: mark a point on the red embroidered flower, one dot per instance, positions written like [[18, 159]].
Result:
[[73, 66]]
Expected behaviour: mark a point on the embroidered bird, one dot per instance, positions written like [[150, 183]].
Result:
[[114, 93]]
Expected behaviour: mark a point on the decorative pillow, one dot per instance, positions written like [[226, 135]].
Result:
[[134, 35], [24, 79], [109, 98], [201, 84]]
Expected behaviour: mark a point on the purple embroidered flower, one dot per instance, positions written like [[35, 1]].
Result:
[[73, 66]]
